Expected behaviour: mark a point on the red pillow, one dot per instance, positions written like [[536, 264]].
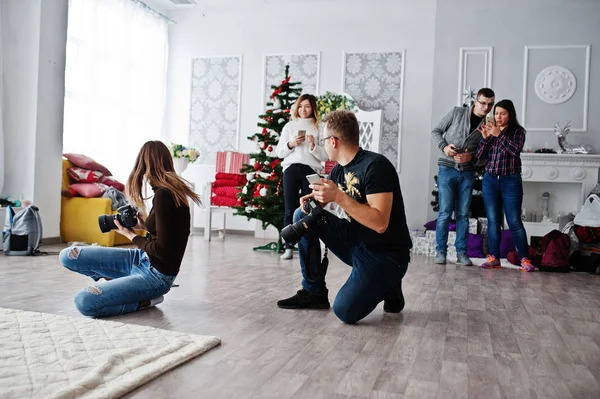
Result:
[[87, 163], [89, 190], [230, 192], [83, 175], [225, 183], [111, 181]]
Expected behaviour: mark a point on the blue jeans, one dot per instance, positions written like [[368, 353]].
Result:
[[455, 189], [374, 273], [134, 279], [504, 192]]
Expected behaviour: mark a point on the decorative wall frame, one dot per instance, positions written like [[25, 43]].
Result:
[[376, 81], [215, 104], [464, 83], [304, 67], [579, 84]]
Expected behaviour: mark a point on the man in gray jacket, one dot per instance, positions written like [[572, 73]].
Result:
[[457, 137]]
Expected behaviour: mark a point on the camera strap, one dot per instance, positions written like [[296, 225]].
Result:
[[322, 265]]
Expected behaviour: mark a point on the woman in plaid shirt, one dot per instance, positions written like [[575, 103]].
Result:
[[502, 144]]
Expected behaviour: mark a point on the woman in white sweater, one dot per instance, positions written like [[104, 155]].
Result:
[[302, 156]]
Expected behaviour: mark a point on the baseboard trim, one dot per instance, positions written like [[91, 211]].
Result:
[[200, 230], [51, 240]]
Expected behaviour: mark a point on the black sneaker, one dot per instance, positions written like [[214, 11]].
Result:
[[305, 300], [393, 301]]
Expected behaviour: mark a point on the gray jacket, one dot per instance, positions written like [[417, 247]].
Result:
[[455, 128]]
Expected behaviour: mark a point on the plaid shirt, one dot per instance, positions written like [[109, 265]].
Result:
[[503, 152]]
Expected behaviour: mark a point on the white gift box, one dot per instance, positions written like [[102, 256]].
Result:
[[430, 234], [472, 226], [420, 246]]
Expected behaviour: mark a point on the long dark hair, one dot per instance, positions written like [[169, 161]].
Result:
[[508, 105], [155, 164]]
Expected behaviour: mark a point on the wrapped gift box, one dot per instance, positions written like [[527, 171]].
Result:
[[430, 234], [231, 162], [472, 225], [421, 246]]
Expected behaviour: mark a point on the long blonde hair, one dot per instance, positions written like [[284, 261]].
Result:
[[155, 165]]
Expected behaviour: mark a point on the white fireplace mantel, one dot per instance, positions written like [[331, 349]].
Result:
[[562, 168], [552, 171]]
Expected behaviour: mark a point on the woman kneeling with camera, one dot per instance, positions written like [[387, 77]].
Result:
[[138, 278]]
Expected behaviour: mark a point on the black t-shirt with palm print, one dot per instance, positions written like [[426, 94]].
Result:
[[372, 173]]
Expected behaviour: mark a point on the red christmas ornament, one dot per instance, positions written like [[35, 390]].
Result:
[[270, 148], [257, 166], [264, 131], [263, 145], [273, 174], [287, 110]]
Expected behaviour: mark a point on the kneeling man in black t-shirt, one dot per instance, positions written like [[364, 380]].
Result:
[[373, 238]]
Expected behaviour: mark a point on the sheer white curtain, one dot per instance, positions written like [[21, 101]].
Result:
[[2, 156], [115, 81]]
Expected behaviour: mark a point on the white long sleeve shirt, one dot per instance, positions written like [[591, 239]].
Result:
[[301, 153]]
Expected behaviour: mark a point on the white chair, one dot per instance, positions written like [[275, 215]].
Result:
[[369, 123], [230, 162], [213, 209]]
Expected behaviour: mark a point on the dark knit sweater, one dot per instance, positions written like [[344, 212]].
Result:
[[169, 228]]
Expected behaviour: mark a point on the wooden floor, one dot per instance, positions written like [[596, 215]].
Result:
[[465, 332]]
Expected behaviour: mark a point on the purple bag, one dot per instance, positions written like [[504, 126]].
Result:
[[475, 246], [506, 243]]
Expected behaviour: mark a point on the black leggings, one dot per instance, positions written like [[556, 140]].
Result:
[[295, 185]]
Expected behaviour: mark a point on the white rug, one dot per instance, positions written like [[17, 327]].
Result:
[[49, 356]]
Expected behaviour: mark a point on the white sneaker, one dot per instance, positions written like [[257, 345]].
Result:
[[288, 254]]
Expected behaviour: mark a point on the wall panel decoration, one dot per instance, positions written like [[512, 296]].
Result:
[[215, 105], [304, 68], [474, 70], [556, 82], [376, 82]]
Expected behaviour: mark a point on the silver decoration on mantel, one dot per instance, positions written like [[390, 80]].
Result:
[[469, 96], [566, 148]]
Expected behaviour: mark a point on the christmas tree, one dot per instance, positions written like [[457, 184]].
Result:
[[262, 197]]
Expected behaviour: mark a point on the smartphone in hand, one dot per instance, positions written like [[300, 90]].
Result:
[[314, 178], [302, 133]]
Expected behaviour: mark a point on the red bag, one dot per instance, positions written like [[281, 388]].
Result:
[[587, 234], [555, 246]]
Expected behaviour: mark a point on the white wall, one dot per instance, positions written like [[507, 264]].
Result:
[[508, 26], [33, 40], [253, 28]]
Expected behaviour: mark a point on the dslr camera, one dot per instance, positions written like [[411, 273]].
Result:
[[127, 216], [294, 232]]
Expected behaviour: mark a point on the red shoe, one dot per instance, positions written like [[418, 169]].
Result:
[[526, 265], [491, 263]]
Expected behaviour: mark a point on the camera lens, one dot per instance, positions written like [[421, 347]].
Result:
[[107, 223]]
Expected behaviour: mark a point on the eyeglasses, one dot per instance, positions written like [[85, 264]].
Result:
[[483, 103], [322, 141]]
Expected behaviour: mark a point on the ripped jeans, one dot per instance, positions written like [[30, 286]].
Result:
[[133, 279]]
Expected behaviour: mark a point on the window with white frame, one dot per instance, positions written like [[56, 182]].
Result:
[[114, 81]]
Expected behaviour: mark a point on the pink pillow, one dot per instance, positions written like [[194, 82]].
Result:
[[89, 190], [87, 163], [84, 175], [111, 181]]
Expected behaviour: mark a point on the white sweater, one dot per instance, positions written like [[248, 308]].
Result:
[[301, 153]]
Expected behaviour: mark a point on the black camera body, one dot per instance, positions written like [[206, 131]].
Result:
[[294, 232], [127, 217]]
